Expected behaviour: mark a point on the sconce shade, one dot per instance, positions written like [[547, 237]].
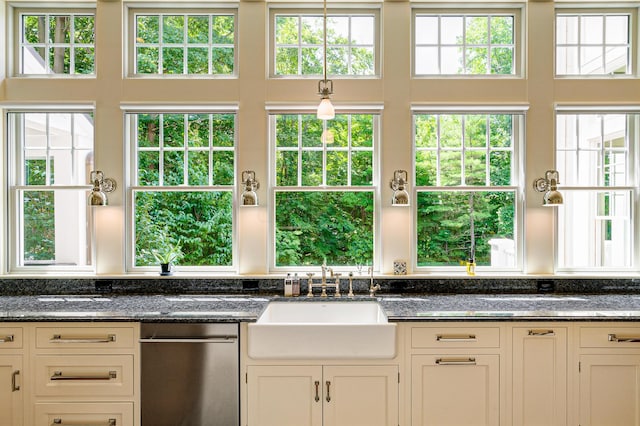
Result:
[[98, 198], [249, 198], [552, 198]]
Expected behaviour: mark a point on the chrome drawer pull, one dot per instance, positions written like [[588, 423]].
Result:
[[456, 361], [14, 385], [57, 375], [57, 338], [614, 338], [542, 333], [456, 337], [6, 339], [110, 422]]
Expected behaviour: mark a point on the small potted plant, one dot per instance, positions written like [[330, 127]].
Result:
[[167, 254]]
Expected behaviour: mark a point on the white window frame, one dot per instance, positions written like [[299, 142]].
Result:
[[519, 54], [15, 175], [632, 188], [15, 42], [131, 178], [598, 10], [130, 39], [334, 10], [517, 179], [274, 110]]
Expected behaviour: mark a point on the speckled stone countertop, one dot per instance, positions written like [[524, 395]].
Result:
[[239, 308]]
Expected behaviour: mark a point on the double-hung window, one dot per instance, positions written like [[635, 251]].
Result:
[[182, 186], [324, 188], [55, 42], [298, 43], [51, 157], [596, 160], [594, 43], [183, 43], [468, 42], [466, 172]]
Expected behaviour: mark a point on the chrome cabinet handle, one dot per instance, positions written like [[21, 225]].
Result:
[[328, 391], [58, 375], [317, 385], [57, 338], [456, 337], [542, 333], [14, 381], [6, 339], [614, 338], [110, 422], [456, 361]]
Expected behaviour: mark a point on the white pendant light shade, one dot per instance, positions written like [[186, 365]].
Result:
[[326, 110]]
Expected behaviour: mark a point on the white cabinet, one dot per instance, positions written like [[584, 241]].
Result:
[[609, 376], [12, 387], [539, 375], [85, 373], [322, 395]]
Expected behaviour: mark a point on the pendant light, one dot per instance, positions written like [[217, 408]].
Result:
[[325, 87]]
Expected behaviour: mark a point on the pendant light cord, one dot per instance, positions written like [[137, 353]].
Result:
[[325, 40]]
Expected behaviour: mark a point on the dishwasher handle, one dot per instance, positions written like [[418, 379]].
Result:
[[210, 339]]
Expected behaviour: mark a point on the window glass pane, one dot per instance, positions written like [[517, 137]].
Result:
[[445, 221], [593, 44], [185, 44], [299, 44], [317, 227], [56, 152], [595, 230], [57, 43], [471, 44]]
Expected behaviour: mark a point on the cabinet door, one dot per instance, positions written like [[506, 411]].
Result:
[[11, 390], [360, 395], [610, 390], [455, 390], [284, 395], [539, 376]]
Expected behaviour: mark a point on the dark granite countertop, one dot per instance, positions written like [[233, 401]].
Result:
[[239, 308]]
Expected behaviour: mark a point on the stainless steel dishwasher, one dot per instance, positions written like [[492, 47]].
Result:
[[190, 374]]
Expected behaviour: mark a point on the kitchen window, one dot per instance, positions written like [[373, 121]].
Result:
[[468, 198], [324, 189], [596, 159], [182, 186], [470, 43], [51, 157], [298, 43], [176, 43], [59, 42], [590, 43]]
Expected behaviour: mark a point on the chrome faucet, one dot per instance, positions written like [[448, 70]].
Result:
[[323, 282], [372, 288]]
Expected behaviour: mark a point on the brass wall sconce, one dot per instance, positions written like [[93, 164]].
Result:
[[251, 185], [549, 185], [101, 187], [399, 186]]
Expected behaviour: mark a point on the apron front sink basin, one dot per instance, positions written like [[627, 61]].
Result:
[[315, 330]]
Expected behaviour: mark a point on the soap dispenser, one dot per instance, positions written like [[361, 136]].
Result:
[[288, 286]]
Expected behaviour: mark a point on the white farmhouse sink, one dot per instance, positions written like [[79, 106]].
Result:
[[318, 330]]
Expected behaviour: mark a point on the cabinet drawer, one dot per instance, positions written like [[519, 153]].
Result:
[[84, 375], [61, 337], [89, 414], [610, 337], [455, 337], [10, 338]]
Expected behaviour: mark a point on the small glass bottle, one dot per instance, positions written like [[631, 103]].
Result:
[[296, 285]]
